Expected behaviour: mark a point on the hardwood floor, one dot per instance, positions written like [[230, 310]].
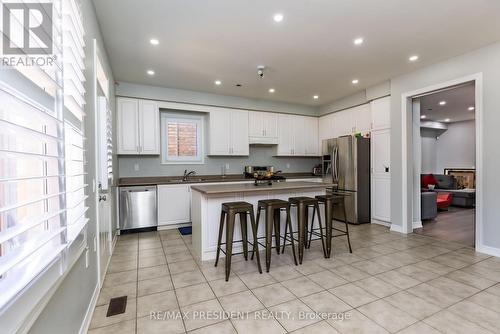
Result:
[[455, 225]]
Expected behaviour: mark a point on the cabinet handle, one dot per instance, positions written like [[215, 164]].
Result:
[[138, 149]]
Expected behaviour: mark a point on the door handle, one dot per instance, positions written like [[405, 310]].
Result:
[[102, 198]]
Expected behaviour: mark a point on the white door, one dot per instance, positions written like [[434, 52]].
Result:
[[285, 137], [128, 125], [219, 129], [149, 127], [239, 132], [381, 175], [174, 204], [299, 128]]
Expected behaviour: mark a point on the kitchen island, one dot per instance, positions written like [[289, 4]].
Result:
[[206, 201]]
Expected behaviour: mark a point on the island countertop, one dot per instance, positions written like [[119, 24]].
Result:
[[250, 187]]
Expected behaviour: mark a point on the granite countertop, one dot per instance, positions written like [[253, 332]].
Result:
[[160, 180], [215, 189]]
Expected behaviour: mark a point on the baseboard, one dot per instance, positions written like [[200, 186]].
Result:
[[90, 310], [488, 250], [417, 224], [396, 228], [380, 222]]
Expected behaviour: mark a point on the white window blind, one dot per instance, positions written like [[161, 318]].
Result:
[[73, 58], [105, 147], [181, 138], [32, 193]]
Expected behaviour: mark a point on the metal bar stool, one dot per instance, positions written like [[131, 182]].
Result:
[[228, 213], [335, 198], [303, 204], [273, 208]]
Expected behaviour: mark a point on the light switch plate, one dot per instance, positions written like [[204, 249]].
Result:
[[287, 165], [136, 167], [227, 166]]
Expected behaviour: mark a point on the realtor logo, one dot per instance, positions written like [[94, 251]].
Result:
[[27, 28]]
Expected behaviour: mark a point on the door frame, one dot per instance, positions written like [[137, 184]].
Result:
[[407, 159]]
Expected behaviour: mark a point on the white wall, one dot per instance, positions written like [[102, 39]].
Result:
[[455, 148], [429, 150]]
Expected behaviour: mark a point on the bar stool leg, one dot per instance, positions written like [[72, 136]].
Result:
[[244, 234], [229, 242], [277, 230], [312, 226], [255, 244], [221, 228], [269, 237], [286, 228], [347, 228], [257, 227], [316, 209], [289, 225], [302, 220], [328, 224]]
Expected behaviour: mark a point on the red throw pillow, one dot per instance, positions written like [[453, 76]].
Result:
[[428, 179]]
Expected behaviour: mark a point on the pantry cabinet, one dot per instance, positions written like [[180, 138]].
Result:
[[228, 132], [381, 113], [138, 127], [262, 127]]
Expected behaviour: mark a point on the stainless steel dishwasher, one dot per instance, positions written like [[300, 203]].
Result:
[[138, 207]]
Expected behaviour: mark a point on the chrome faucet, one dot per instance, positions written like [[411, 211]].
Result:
[[186, 174]]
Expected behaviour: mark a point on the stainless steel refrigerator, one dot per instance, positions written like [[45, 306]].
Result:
[[346, 163]]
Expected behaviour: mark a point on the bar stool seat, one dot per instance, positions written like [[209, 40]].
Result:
[[229, 210]]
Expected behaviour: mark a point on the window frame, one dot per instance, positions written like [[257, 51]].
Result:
[[166, 116]]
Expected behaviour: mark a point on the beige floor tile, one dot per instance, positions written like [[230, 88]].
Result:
[[153, 272], [143, 253], [347, 257], [420, 274], [475, 281], [180, 256], [284, 273], [411, 304], [330, 263], [318, 328], [482, 316], [244, 267], [327, 280], [353, 295], [273, 294], [214, 273], [256, 280], [258, 322], [452, 260], [155, 285], [99, 318], [419, 328], [397, 279], [366, 253], [450, 323], [182, 266], [224, 327], [487, 300], [118, 266], [434, 295], [127, 289], [113, 279], [151, 261], [223, 288], [124, 327], [325, 303], [294, 315], [387, 316], [495, 290], [427, 251], [377, 287], [149, 325], [350, 273], [453, 287], [307, 268], [371, 267], [150, 245], [187, 278], [197, 314], [302, 286], [170, 250], [158, 302], [435, 267], [356, 322], [241, 302], [194, 294]]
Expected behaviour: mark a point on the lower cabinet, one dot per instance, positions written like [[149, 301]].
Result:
[[174, 204]]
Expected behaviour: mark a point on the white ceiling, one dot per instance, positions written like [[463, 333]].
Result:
[[458, 100], [310, 52]]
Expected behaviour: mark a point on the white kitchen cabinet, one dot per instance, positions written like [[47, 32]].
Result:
[[262, 127], [285, 135], [381, 113], [381, 199], [228, 132], [361, 118], [311, 135], [297, 136], [381, 174], [138, 127], [325, 128], [174, 204]]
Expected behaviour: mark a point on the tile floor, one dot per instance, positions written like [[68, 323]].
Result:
[[392, 283]]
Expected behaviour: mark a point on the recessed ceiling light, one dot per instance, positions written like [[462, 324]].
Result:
[[278, 17], [423, 117], [413, 58], [316, 97], [442, 103], [154, 41], [358, 41], [218, 82], [271, 90], [471, 108], [355, 81], [151, 72], [447, 120]]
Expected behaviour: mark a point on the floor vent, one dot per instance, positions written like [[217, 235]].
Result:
[[117, 305]]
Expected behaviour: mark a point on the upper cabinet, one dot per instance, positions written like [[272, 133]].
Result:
[[262, 127], [138, 127], [297, 136], [228, 132], [345, 122], [381, 113]]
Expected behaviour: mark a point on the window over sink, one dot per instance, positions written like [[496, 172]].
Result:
[[181, 138]]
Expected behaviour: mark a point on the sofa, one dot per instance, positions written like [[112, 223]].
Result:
[[448, 184], [428, 205]]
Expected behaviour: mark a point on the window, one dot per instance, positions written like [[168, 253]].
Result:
[[181, 138]]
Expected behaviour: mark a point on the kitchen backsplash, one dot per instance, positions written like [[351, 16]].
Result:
[[259, 156]]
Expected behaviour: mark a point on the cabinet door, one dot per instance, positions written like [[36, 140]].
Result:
[[270, 125], [285, 137], [219, 132], [362, 118], [381, 174], [381, 195], [312, 143], [174, 204], [239, 133], [299, 129], [149, 127], [128, 125], [325, 127], [381, 113], [256, 124], [381, 151], [344, 125]]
